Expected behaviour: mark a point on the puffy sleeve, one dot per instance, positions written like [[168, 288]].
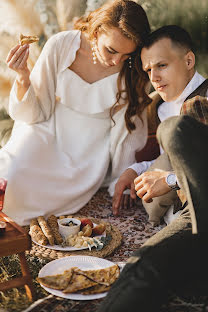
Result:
[[38, 102], [124, 145]]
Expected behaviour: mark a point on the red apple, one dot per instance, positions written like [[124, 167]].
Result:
[[85, 221], [98, 229]]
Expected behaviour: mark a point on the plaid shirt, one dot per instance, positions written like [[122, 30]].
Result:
[[197, 107]]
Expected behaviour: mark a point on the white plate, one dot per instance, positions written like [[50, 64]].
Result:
[[82, 262], [68, 248]]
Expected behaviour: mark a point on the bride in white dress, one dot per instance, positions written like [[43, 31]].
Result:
[[79, 115]]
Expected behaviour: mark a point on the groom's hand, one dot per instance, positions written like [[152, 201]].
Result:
[[151, 184]]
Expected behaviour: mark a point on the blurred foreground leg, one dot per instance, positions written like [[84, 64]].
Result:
[[185, 141]]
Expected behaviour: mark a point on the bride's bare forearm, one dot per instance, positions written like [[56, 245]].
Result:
[[23, 83], [17, 61]]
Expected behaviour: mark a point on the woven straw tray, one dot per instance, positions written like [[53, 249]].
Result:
[[113, 244]]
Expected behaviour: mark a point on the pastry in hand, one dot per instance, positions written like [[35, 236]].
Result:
[[27, 39]]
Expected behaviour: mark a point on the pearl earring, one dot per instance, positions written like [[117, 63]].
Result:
[[94, 57], [130, 63]]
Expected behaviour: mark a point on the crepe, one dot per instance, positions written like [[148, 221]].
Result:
[[59, 281], [95, 289], [78, 282], [106, 276], [27, 39]]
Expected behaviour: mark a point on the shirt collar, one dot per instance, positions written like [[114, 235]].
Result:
[[195, 82]]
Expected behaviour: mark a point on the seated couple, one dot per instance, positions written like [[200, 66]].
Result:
[[174, 260], [169, 60]]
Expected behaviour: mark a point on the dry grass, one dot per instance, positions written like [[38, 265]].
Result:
[[67, 10], [15, 299], [16, 16], [19, 15]]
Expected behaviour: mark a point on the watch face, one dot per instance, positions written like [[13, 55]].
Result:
[[171, 179]]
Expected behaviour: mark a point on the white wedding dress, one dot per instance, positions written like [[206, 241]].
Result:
[[63, 139]]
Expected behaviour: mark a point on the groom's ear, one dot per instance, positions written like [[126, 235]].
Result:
[[190, 60]]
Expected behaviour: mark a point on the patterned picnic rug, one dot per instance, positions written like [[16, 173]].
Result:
[[135, 229]]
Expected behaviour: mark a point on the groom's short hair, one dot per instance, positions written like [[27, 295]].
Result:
[[178, 35]]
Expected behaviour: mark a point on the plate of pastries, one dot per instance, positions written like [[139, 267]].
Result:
[[67, 233], [79, 277]]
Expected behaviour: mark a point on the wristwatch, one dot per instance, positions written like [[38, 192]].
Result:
[[171, 181]]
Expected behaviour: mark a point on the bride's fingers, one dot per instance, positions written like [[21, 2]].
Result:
[[19, 52], [17, 55], [17, 62], [24, 59], [12, 52]]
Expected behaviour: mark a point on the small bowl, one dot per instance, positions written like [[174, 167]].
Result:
[[65, 229], [2, 227]]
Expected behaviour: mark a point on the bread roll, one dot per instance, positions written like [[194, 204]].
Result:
[[36, 233], [52, 222], [46, 229]]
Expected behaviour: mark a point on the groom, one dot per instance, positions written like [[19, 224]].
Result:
[[169, 60]]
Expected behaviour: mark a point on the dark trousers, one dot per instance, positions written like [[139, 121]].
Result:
[[174, 259]]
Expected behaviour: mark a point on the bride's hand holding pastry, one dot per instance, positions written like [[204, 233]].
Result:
[[17, 61]]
